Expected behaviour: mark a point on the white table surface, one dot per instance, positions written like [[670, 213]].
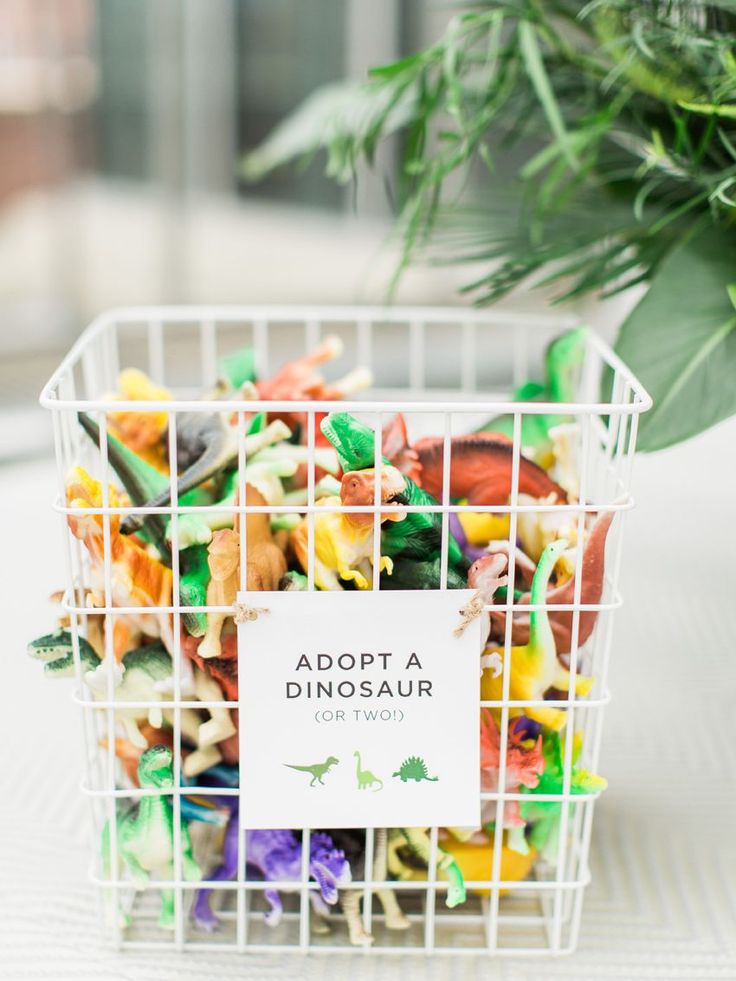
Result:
[[662, 903]]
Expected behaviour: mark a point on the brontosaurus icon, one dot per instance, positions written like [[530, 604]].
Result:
[[365, 777]]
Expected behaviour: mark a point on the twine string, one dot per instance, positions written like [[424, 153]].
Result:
[[244, 613]]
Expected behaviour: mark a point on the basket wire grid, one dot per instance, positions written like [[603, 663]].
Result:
[[537, 916]]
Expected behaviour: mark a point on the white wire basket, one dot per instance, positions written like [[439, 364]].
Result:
[[447, 371]]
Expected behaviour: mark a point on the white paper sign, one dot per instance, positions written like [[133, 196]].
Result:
[[359, 709]]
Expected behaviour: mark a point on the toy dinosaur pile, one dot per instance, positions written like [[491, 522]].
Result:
[[137, 659]]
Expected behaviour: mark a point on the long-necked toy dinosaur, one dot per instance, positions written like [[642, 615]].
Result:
[[534, 667]]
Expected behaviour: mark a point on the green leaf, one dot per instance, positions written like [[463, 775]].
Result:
[[535, 68], [680, 340], [709, 108]]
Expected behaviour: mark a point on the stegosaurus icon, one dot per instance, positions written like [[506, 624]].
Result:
[[413, 768]]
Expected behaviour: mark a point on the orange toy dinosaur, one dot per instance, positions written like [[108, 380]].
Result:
[[137, 579], [524, 763], [265, 566]]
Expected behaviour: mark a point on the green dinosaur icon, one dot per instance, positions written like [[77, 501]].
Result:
[[365, 777], [413, 768], [318, 770]]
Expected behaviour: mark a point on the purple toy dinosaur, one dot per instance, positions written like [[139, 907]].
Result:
[[277, 855]]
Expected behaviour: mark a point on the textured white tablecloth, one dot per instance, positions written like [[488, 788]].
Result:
[[662, 901]]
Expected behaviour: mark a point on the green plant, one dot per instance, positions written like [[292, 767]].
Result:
[[623, 117]]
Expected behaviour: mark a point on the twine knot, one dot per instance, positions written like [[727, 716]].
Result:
[[471, 611], [244, 613]]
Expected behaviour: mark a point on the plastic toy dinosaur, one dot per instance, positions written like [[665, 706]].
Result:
[[147, 669], [563, 360], [352, 843], [137, 579], [298, 380], [409, 847], [206, 446], [591, 590], [544, 816], [201, 912], [265, 565], [485, 577], [419, 536], [534, 668], [524, 764], [317, 770], [480, 470], [278, 857], [408, 574], [365, 778], [480, 466], [142, 432], [142, 482], [145, 836], [343, 541]]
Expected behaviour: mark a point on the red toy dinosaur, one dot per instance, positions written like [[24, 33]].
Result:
[[480, 470], [591, 589]]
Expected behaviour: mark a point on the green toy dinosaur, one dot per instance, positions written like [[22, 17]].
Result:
[[544, 816], [410, 848], [419, 536], [562, 361], [145, 835], [318, 770], [145, 682], [408, 574]]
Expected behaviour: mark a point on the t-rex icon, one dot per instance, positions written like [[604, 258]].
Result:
[[318, 770], [365, 777]]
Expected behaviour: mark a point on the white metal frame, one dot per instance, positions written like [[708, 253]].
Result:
[[541, 915]]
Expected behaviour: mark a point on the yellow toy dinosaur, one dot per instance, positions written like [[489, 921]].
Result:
[[535, 667], [343, 541]]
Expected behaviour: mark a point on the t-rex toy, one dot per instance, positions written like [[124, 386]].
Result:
[[278, 857], [534, 668], [145, 835], [352, 843], [343, 541], [418, 537], [265, 565], [146, 668], [318, 770]]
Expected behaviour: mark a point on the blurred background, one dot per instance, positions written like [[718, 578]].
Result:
[[122, 123]]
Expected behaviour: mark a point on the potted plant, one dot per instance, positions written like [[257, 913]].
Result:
[[615, 125]]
